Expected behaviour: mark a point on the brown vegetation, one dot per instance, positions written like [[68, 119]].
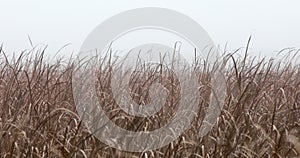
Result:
[[39, 119]]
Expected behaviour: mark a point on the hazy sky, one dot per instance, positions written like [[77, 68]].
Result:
[[273, 24]]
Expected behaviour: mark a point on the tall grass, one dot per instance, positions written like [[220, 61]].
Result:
[[259, 119]]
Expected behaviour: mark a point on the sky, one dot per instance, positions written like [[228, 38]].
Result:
[[273, 24]]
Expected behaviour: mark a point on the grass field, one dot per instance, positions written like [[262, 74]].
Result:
[[260, 116]]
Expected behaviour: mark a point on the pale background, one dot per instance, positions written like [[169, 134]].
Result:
[[273, 24]]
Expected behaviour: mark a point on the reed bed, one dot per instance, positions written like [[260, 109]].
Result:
[[260, 116]]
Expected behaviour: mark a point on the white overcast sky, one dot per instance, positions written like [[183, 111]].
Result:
[[274, 24]]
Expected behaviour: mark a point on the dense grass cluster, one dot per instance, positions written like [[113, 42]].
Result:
[[260, 116]]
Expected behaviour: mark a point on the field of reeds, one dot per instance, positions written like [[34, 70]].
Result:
[[260, 115]]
